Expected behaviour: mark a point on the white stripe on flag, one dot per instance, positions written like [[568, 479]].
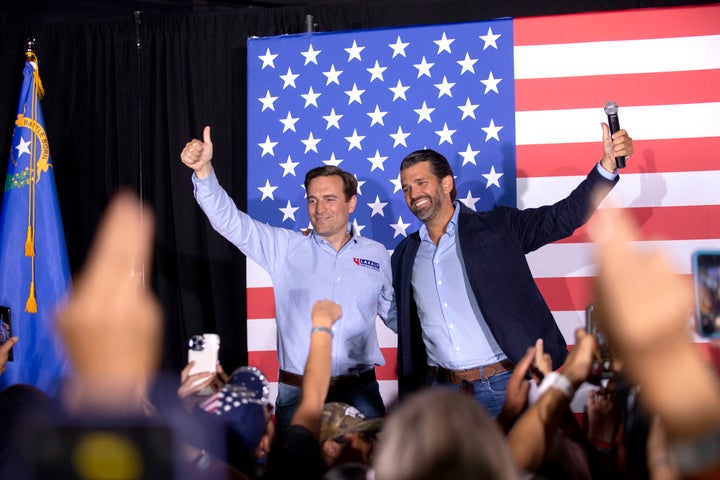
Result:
[[262, 334], [617, 57], [665, 189], [256, 275], [576, 259], [648, 123]]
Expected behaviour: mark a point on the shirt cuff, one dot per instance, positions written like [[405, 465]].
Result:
[[605, 174], [204, 185]]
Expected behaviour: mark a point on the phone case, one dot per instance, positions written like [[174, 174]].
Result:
[[206, 358], [706, 282], [6, 329]]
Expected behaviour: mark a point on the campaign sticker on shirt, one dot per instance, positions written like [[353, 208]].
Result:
[[363, 262]]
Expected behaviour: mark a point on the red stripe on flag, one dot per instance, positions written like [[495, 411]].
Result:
[[260, 303], [667, 223], [389, 370], [669, 155], [698, 86], [571, 293], [625, 25], [267, 362]]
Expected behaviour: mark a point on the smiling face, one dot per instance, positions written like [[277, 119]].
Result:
[[328, 210], [425, 194]]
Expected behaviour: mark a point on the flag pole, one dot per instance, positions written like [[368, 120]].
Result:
[[141, 191], [31, 57]]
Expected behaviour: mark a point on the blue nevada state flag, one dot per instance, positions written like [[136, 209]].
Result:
[[33, 256]]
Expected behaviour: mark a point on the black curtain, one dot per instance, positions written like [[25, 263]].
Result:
[[124, 93]]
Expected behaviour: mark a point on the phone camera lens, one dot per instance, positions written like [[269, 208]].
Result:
[[197, 343]]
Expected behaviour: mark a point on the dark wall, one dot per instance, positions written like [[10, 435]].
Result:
[[124, 92]]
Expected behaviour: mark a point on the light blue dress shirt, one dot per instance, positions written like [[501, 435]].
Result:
[[305, 269], [454, 331]]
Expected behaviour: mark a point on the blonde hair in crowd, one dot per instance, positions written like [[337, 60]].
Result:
[[442, 434]]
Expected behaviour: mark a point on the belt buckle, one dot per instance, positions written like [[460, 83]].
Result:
[[351, 378], [491, 370]]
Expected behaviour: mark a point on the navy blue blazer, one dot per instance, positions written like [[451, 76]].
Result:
[[494, 245]]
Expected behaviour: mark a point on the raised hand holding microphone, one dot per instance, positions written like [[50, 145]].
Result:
[[617, 144], [611, 110]]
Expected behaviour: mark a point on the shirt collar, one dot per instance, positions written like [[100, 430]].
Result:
[[350, 228], [451, 228]]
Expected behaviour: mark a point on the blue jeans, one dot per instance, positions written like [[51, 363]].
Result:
[[489, 393], [366, 399], [285, 404]]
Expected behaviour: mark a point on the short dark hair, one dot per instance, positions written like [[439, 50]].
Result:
[[439, 165], [350, 183]]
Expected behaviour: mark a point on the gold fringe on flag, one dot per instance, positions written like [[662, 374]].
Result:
[[30, 242], [31, 304], [31, 57]]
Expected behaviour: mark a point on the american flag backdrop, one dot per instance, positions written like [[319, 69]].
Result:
[[515, 105]]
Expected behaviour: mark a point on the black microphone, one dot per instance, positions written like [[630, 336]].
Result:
[[611, 110]]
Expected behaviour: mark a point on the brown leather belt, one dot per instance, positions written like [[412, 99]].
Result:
[[471, 374], [339, 383]]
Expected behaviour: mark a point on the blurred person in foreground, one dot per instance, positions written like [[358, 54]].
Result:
[[111, 324], [299, 454], [346, 436], [438, 434], [538, 431], [643, 309]]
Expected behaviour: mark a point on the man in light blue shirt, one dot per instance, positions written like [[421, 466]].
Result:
[[331, 261]]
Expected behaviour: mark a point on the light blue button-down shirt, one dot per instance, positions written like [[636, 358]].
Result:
[[305, 269], [454, 330]]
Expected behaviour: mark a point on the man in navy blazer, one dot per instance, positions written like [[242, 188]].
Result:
[[468, 307]]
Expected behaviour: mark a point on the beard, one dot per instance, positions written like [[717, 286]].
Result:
[[427, 211]]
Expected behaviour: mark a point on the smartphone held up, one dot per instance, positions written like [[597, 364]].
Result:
[[6, 329], [706, 283], [203, 350], [602, 368]]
